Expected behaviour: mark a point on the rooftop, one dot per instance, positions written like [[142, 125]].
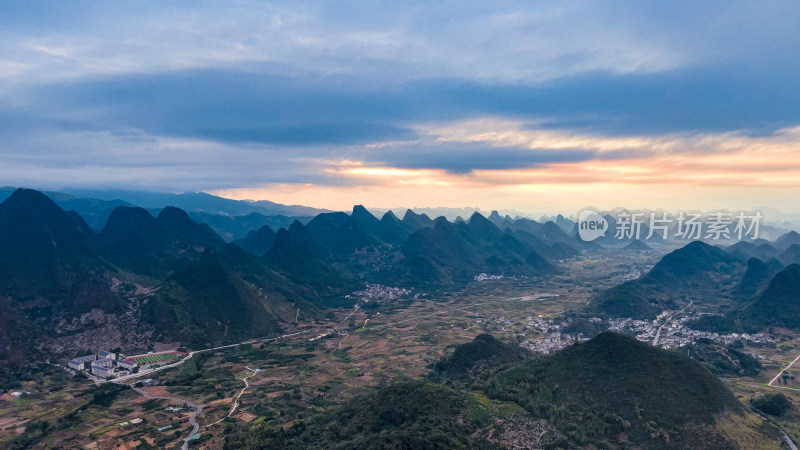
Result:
[[101, 361], [81, 359]]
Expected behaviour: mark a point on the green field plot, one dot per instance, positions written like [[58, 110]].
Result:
[[150, 359]]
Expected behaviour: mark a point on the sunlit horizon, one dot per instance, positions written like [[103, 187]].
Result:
[[533, 108]]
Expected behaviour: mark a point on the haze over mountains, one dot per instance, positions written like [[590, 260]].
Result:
[[758, 293], [382, 225], [153, 267], [232, 219], [170, 277], [164, 277], [158, 275]]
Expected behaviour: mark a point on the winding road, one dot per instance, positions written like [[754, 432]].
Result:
[[192, 418], [786, 437], [236, 400], [198, 409]]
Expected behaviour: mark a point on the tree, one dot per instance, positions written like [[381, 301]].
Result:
[[773, 404]]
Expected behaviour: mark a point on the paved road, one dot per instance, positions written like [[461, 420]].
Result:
[[142, 373], [192, 418], [669, 319], [785, 436], [189, 355], [788, 440], [784, 370], [198, 409]]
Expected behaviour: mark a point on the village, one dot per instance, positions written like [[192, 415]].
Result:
[[378, 293], [551, 334], [676, 334]]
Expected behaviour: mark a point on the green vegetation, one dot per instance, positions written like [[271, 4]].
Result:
[[41, 374], [724, 360], [201, 291], [203, 296], [684, 271], [91, 403], [629, 299], [755, 278], [610, 392], [687, 265], [584, 327], [715, 324], [191, 304], [294, 256], [103, 394], [448, 253], [614, 384], [483, 353], [190, 371], [778, 305], [34, 432], [158, 357], [402, 415], [773, 404], [179, 277]]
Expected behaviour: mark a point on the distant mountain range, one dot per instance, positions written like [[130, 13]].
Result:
[[750, 279], [415, 250], [199, 202], [452, 214], [232, 219], [158, 274], [140, 278], [695, 270]]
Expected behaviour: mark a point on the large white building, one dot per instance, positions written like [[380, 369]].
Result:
[[105, 363], [101, 355], [82, 362], [100, 371], [125, 364], [100, 364]]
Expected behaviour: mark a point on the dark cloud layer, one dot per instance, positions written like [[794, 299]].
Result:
[[466, 157], [294, 82], [243, 107]]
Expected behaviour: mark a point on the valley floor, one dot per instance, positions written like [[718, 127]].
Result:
[[316, 365]]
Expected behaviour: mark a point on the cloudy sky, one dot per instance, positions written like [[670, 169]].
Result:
[[532, 106]]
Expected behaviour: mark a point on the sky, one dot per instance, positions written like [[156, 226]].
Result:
[[538, 107]]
